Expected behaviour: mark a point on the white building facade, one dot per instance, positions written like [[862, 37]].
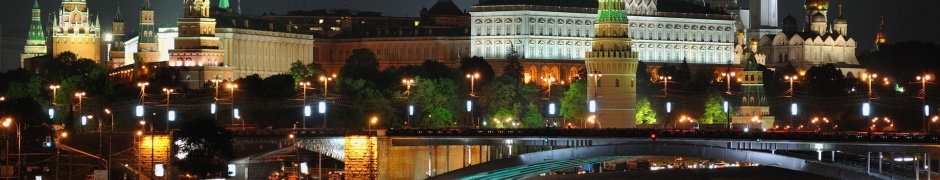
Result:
[[551, 36]]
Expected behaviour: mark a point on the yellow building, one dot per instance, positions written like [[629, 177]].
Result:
[[74, 31], [611, 65]]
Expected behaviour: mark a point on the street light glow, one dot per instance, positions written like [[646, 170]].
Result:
[[793, 109], [212, 108], [668, 107], [171, 115], [866, 109], [469, 105], [139, 111], [307, 111], [551, 108], [411, 110], [592, 106], [725, 106], [322, 107]]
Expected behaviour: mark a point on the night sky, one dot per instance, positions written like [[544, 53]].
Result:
[[905, 20]]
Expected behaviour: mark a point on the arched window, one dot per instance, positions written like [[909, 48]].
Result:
[[617, 83]]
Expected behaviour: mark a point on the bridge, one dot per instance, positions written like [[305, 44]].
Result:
[[521, 153]]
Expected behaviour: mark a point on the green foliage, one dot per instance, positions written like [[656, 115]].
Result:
[[435, 94], [208, 147], [533, 117], [369, 101], [514, 68], [644, 112], [501, 118], [574, 103], [441, 117], [714, 110], [309, 72]]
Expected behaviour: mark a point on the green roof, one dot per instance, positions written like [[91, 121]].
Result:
[[751, 64], [35, 4], [147, 5], [223, 4], [118, 17]]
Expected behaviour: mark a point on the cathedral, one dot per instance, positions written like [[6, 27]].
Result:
[[818, 42], [75, 31]]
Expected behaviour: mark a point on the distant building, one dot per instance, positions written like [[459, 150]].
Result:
[[75, 31], [818, 43], [613, 65], [35, 38], [553, 36]]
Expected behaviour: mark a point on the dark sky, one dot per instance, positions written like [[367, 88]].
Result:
[[905, 20]]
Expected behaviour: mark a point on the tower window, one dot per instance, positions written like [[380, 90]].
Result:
[[617, 83]]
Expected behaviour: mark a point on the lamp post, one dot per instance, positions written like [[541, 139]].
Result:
[[79, 95], [215, 80], [232, 87], [55, 89], [303, 88], [592, 105], [473, 77], [372, 122], [816, 121], [867, 106], [326, 90], [168, 92], [665, 80], [19, 141], [408, 82], [108, 37], [110, 138], [790, 78], [923, 99], [728, 77]]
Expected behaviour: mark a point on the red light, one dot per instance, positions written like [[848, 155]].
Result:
[[653, 137]]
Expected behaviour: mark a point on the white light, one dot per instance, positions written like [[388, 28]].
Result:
[[592, 106], [926, 110], [469, 105], [231, 170], [38, 177], [171, 115], [84, 120], [411, 110], [51, 113], [904, 159], [793, 109], [303, 168], [668, 107], [158, 170], [725, 106], [322, 107], [235, 113], [866, 109], [551, 108], [212, 108], [745, 129], [181, 154], [307, 111], [140, 110]]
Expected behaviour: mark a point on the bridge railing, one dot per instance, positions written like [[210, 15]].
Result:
[[698, 134], [284, 133]]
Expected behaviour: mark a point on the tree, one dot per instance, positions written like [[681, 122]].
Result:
[[514, 68], [644, 112], [207, 148], [714, 110], [300, 71], [362, 64], [533, 117], [574, 103], [441, 117], [477, 64], [436, 95]]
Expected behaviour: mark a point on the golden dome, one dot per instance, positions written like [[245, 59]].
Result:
[[816, 5], [739, 32]]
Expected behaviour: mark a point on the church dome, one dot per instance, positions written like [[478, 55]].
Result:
[[789, 20], [816, 4], [841, 20], [819, 17]]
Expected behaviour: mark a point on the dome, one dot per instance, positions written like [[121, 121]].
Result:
[[739, 32], [819, 17], [789, 20], [816, 4], [841, 20]]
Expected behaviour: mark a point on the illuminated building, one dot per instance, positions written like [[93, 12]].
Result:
[[36, 38], [815, 45], [613, 63], [75, 31], [553, 36], [880, 38], [117, 44]]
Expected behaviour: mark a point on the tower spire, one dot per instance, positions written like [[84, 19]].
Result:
[[147, 5], [223, 4]]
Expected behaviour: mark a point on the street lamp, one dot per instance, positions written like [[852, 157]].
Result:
[[303, 88], [19, 141], [816, 121], [55, 89], [326, 86], [170, 117], [665, 80], [143, 87], [728, 76], [79, 95], [372, 122], [869, 78], [473, 77], [108, 37], [923, 99], [232, 87], [322, 109], [592, 106], [110, 138], [791, 78], [408, 82]]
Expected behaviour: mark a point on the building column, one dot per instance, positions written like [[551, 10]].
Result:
[[880, 157], [868, 162]]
